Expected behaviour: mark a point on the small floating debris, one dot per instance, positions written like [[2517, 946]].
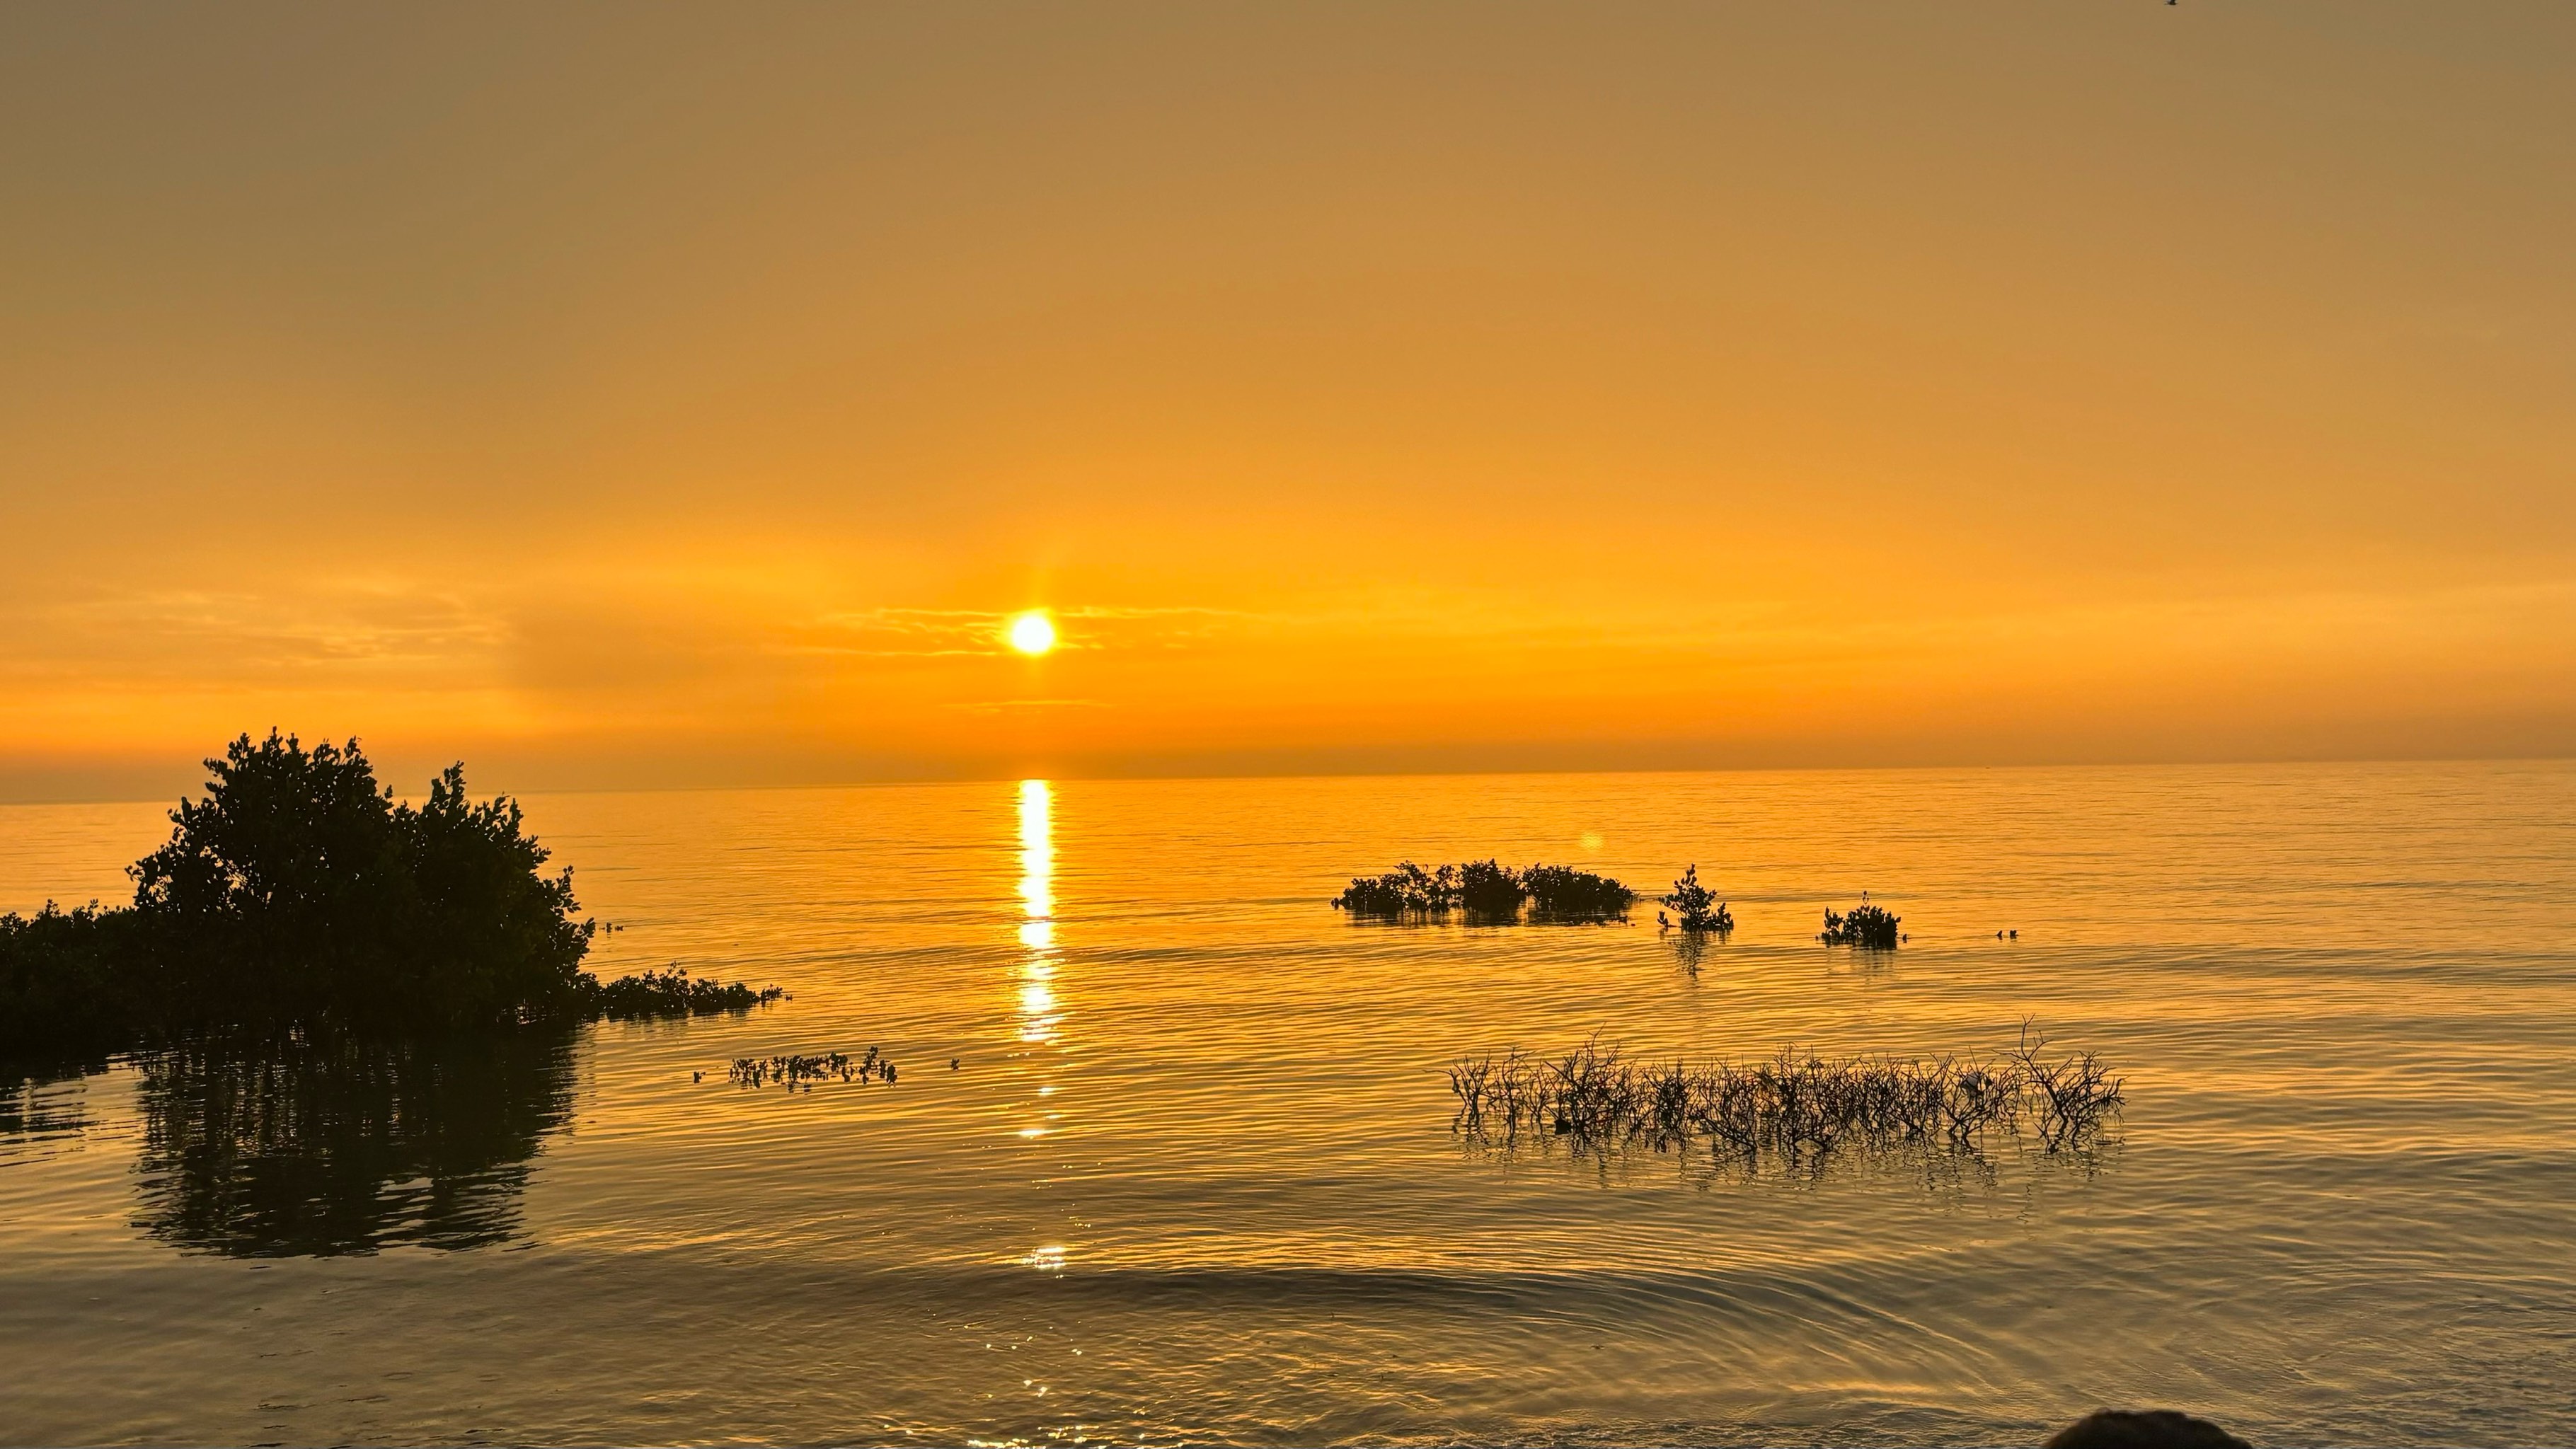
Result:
[[801, 1071]]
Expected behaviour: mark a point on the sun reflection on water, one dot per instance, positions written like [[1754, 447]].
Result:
[[1038, 1012], [1037, 849], [1038, 1015]]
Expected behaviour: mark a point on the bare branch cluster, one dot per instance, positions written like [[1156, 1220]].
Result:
[[1793, 1104]]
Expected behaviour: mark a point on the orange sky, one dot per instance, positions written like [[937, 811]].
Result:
[[620, 396]]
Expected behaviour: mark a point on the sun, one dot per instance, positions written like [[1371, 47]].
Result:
[[1031, 633]]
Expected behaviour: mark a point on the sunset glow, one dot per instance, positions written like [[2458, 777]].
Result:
[[1755, 391]]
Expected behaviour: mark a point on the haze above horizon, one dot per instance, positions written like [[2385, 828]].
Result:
[[672, 396]]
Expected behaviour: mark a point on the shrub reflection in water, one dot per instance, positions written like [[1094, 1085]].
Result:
[[343, 1146]]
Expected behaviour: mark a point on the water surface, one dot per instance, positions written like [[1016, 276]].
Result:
[[1193, 1178]]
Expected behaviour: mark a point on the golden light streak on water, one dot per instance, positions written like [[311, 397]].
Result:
[[1039, 1013]]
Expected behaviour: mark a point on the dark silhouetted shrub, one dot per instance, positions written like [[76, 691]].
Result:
[[1561, 890], [1697, 907], [297, 895], [1867, 926], [1486, 889], [1489, 888], [65, 982], [670, 993], [1406, 890]]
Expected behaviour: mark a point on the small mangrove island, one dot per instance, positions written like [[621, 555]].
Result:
[[1487, 890], [1699, 909], [1869, 927], [298, 897]]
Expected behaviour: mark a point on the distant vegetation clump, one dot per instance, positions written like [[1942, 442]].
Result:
[[1486, 889], [1406, 890], [669, 993], [1561, 890], [1792, 1105], [1867, 926], [1697, 907], [1489, 888], [297, 896]]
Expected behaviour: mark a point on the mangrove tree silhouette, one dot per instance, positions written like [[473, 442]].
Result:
[[299, 895], [1486, 890], [1868, 926], [1700, 911]]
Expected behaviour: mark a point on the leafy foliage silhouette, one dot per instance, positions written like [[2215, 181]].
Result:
[[1867, 926], [1488, 890], [1561, 890], [1698, 908], [1406, 890], [297, 895]]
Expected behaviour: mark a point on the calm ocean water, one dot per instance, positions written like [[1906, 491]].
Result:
[[1193, 1175]]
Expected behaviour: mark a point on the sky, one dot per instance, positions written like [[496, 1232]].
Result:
[[634, 396]]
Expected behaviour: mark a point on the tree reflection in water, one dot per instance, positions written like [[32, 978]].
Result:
[[336, 1146], [37, 1110]]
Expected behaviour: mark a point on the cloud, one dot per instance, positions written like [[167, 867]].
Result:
[[225, 636]]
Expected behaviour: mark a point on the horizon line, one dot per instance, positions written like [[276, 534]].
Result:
[[1177, 776]]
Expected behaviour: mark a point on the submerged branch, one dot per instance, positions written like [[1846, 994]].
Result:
[[801, 1070]]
